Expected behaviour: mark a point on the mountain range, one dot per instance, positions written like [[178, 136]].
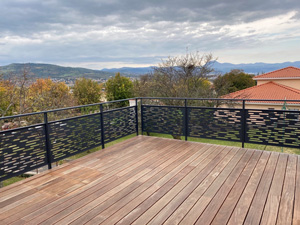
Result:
[[55, 71], [253, 68]]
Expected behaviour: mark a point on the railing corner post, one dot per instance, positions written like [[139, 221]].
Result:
[[243, 120], [136, 117], [142, 118], [102, 127], [47, 141], [186, 127]]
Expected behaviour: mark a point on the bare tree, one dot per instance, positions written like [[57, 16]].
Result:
[[183, 76], [179, 76]]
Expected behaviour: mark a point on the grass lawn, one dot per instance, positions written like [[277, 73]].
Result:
[[12, 180]]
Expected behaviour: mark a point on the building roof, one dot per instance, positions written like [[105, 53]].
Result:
[[269, 90], [284, 73]]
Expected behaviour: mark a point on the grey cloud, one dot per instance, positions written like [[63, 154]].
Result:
[[38, 15], [128, 30]]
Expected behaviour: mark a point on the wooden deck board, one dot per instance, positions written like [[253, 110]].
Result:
[[150, 180]]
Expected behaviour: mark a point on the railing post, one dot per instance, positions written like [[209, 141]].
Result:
[[47, 141], [136, 117], [102, 127], [142, 120], [243, 120], [186, 127]]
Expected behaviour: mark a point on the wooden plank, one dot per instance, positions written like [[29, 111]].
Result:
[[136, 170], [177, 187], [296, 219], [272, 205], [237, 178], [237, 164], [151, 186], [20, 201], [18, 185], [223, 215], [109, 177], [154, 163], [33, 183], [260, 197], [241, 209], [285, 213], [149, 180], [163, 186], [112, 162], [164, 209], [61, 193], [145, 181]]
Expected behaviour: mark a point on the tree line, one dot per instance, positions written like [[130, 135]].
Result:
[[180, 76], [21, 93]]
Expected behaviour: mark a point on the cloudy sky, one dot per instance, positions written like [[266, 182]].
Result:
[[116, 33]]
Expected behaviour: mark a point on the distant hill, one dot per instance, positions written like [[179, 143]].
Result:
[[253, 68], [130, 70], [54, 71]]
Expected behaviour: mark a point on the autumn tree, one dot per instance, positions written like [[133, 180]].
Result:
[[87, 91], [119, 87], [233, 81], [7, 105], [44, 94], [14, 89]]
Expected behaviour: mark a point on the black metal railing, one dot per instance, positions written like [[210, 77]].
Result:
[[23, 149], [236, 120], [51, 138]]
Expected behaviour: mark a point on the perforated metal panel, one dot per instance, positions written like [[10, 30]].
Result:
[[215, 123], [163, 119], [21, 150], [75, 135], [119, 123], [273, 127]]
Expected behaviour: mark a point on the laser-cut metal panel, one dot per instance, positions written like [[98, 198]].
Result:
[[72, 136], [273, 127], [22, 150], [163, 119], [119, 123], [215, 123]]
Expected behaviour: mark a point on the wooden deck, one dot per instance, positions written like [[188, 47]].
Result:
[[148, 180]]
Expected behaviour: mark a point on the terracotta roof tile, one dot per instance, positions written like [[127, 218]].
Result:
[[269, 90], [288, 72]]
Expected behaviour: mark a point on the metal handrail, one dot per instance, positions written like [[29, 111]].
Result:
[[243, 136], [139, 98]]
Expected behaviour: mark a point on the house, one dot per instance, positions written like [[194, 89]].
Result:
[[279, 84]]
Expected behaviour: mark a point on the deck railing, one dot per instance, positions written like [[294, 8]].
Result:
[[23, 149], [72, 130]]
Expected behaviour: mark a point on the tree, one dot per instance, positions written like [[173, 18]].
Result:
[[15, 92], [87, 91], [44, 94], [233, 81], [119, 87], [6, 103], [181, 76]]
